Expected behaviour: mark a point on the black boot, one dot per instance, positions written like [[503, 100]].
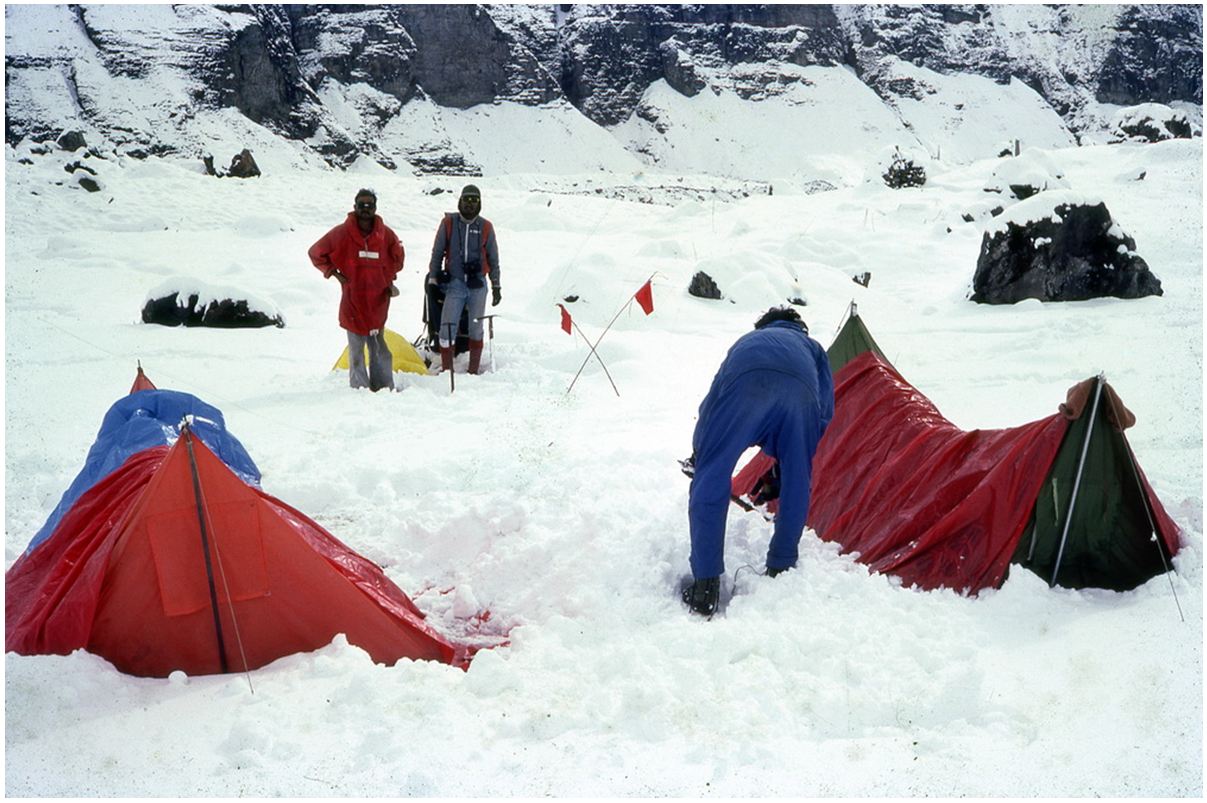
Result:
[[774, 572], [702, 595]]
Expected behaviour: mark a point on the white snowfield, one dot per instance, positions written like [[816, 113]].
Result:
[[564, 515]]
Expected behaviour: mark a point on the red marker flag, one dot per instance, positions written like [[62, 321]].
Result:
[[565, 320], [645, 297]]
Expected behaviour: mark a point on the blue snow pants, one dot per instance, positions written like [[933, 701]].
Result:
[[458, 295], [771, 409]]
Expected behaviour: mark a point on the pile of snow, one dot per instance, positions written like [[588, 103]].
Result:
[[1022, 176]]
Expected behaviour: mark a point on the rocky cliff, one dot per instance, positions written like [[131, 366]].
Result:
[[338, 79]]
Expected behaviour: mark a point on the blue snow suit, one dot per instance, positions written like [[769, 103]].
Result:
[[774, 390]]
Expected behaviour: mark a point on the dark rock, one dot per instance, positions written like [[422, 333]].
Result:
[[1157, 56], [243, 165], [225, 314], [71, 167], [864, 278], [679, 69], [797, 301], [1084, 255], [702, 286], [89, 184], [1023, 191], [208, 161], [1154, 127], [570, 299], [71, 141]]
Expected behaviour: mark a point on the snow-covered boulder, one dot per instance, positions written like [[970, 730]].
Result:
[[1022, 176], [1150, 122], [1059, 246], [189, 302]]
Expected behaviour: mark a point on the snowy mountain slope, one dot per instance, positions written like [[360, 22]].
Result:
[[347, 82], [564, 515]]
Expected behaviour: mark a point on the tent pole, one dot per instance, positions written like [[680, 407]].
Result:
[[187, 434], [1085, 448]]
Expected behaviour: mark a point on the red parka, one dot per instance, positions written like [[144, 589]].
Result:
[[370, 262]]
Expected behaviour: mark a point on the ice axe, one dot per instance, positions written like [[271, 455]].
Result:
[[490, 328]]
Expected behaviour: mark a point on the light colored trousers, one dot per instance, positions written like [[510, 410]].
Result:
[[380, 373]]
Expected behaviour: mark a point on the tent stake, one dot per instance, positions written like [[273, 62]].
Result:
[[187, 434], [1085, 448]]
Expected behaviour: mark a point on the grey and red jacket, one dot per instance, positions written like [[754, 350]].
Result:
[[370, 262], [460, 242]]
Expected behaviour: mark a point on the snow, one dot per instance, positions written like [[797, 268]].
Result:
[[1043, 205], [564, 515], [1031, 168], [185, 287], [964, 117]]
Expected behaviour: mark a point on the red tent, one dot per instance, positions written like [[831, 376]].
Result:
[[914, 496], [141, 382], [171, 562]]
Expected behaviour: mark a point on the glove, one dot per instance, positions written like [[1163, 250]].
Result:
[[393, 291], [496, 295], [443, 277]]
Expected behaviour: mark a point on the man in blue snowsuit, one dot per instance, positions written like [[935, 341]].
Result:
[[774, 390]]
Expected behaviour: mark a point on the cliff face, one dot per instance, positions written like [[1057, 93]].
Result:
[[335, 77]]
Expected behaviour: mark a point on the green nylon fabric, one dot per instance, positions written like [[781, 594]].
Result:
[[853, 340], [1110, 541]]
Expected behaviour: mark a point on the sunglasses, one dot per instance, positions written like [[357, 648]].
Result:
[[364, 205], [473, 199]]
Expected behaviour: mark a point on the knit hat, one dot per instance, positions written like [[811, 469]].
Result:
[[470, 189]]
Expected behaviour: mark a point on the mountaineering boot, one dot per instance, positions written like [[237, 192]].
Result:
[[776, 572], [702, 595], [446, 358], [475, 356]]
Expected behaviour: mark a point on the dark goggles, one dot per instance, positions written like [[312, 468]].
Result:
[[473, 199]]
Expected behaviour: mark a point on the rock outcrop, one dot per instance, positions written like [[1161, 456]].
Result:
[[336, 77], [1055, 247]]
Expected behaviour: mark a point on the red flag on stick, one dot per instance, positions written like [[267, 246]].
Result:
[[645, 297], [565, 320]]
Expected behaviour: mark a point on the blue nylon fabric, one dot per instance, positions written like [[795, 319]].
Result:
[[773, 390], [143, 420]]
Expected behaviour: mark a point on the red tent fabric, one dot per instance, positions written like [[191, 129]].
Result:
[[141, 382], [915, 496], [124, 576]]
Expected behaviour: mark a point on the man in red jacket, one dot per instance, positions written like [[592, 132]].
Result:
[[364, 256]]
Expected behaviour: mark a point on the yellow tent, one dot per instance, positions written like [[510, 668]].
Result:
[[405, 356]]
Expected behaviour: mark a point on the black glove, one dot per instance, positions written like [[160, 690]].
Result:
[[767, 488], [496, 295], [443, 277]]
